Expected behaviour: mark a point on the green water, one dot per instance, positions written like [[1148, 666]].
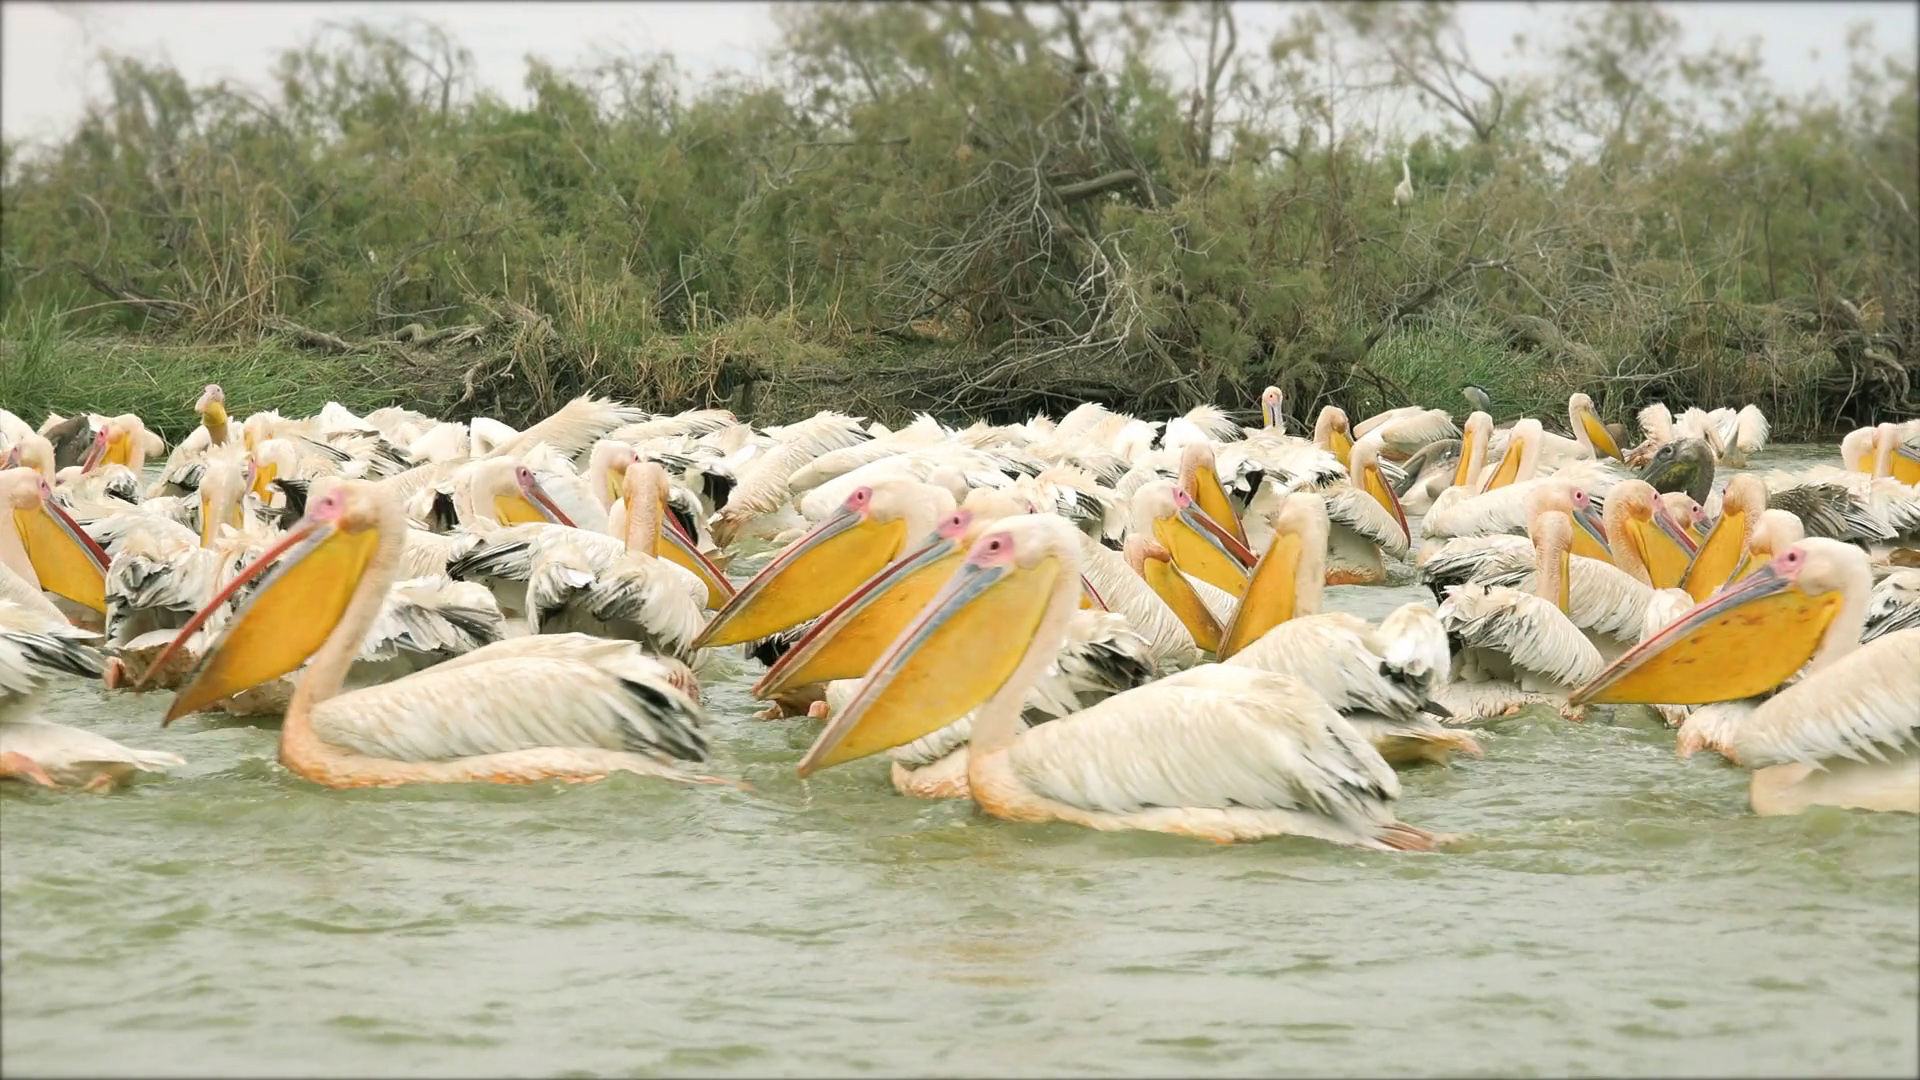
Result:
[[1616, 911]]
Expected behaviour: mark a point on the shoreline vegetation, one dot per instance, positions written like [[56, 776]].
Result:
[[982, 210]]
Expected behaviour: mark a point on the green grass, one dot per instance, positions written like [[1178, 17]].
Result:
[[1433, 364], [49, 371]]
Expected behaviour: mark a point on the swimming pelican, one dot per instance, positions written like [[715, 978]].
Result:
[[181, 473], [1643, 538], [761, 492], [809, 576], [1404, 431], [1723, 552], [1894, 605], [1847, 733], [1591, 439], [1517, 648], [37, 644], [1427, 473], [1382, 679], [583, 580], [567, 707], [1154, 565], [1223, 753], [48, 549], [1100, 657], [1366, 521]]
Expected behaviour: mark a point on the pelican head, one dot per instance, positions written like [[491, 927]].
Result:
[[534, 494], [258, 427], [45, 546], [1199, 545], [1477, 397], [212, 408], [273, 459], [34, 451], [609, 463], [1331, 433], [1474, 436], [1271, 416], [1683, 509], [1775, 532], [1682, 465], [1289, 579], [1857, 449], [855, 542], [1364, 467], [1806, 603], [126, 441], [96, 451], [1199, 479], [513, 492], [1587, 428], [1894, 456], [1522, 456], [1724, 550], [1154, 564], [844, 642], [976, 636], [653, 530], [1643, 536], [1590, 530], [308, 581]]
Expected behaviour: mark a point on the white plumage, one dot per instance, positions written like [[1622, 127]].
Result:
[[514, 696]]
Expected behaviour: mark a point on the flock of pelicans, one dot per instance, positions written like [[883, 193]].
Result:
[[1099, 620]]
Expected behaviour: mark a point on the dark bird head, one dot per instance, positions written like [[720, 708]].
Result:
[[1682, 465], [1477, 397]]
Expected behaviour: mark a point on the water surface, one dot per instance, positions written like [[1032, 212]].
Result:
[[1616, 911]]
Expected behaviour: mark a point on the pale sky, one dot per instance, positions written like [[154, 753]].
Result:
[[49, 71]]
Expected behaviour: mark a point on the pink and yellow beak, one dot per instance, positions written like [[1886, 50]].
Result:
[[1589, 530], [315, 570], [846, 641], [96, 453], [811, 575], [955, 654], [1746, 640], [1211, 497], [529, 504], [1202, 547], [66, 560]]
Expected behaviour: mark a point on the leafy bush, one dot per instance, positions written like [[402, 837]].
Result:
[[987, 209]]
